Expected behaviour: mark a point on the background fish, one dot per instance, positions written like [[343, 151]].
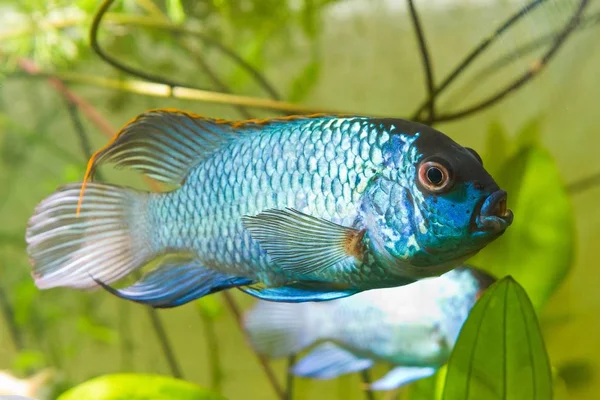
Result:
[[292, 209], [413, 327]]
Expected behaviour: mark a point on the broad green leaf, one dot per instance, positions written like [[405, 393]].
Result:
[[138, 387], [538, 248], [500, 353]]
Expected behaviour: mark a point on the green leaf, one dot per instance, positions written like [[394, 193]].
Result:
[[28, 360], [305, 81], [538, 248], [500, 353], [530, 133], [175, 11], [138, 387]]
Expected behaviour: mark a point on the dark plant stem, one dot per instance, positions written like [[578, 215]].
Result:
[[125, 335], [233, 307], [84, 141], [101, 11], [427, 66], [533, 71], [476, 52], [165, 344], [212, 75], [212, 344], [533, 45], [366, 379], [9, 318], [289, 381], [584, 184]]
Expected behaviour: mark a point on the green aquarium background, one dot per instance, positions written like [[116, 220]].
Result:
[[60, 101]]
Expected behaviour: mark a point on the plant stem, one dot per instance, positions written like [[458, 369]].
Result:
[[182, 93], [427, 66], [289, 381], [262, 360], [165, 344], [212, 344], [366, 379], [9, 317]]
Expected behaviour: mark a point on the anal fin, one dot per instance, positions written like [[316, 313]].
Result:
[[328, 361], [401, 376], [297, 293], [172, 285]]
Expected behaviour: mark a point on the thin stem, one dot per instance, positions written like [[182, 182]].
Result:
[[584, 184], [9, 317], [366, 379], [289, 381], [165, 344], [101, 12], [263, 361], [89, 110], [198, 57], [533, 71], [212, 75], [533, 45], [476, 52], [124, 323], [427, 66], [212, 344], [182, 93], [84, 141]]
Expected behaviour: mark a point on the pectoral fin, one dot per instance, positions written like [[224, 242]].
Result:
[[173, 285], [328, 361], [401, 376], [301, 243]]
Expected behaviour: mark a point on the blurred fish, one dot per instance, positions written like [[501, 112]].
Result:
[[306, 208], [413, 327], [12, 387]]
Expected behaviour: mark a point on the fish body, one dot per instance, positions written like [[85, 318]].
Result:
[[303, 208], [413, 327]]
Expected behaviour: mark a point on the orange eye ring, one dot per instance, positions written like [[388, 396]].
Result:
[[435, 177]]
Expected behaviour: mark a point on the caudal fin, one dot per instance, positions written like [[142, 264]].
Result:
[[106, 241], [279, 329]]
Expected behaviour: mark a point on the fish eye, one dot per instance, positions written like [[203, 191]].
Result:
[[434, 176], [475, 154]]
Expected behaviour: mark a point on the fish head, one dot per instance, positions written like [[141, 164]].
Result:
[[434, 205]]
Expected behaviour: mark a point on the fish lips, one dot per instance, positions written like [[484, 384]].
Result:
[[493, 215]]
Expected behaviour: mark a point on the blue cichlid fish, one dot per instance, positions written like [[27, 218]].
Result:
[[413, 327], [307, 208]]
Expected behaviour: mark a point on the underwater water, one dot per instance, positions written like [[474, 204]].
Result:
[[359, 57]]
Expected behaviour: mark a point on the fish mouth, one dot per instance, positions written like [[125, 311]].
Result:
[[494, 216]]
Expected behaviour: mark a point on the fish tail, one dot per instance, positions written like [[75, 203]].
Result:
[[279, 329], [104, 238]]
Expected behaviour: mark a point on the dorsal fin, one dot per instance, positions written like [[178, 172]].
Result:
[[165, 143]]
